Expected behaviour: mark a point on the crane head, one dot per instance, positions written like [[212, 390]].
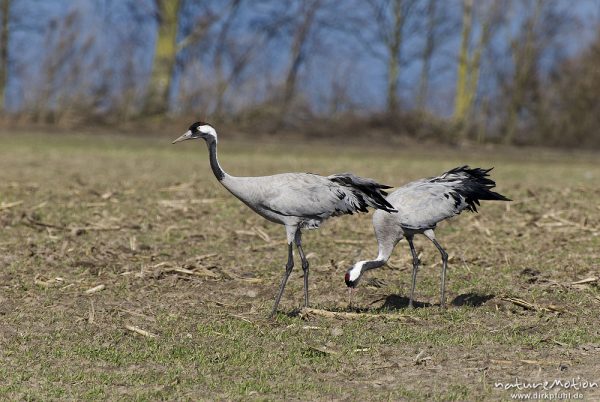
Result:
[[197, 130], [353, 275]]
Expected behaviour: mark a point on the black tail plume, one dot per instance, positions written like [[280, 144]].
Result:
[[363, 187], [475, 185]]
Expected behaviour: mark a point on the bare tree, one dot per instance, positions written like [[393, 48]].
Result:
[[305, 21], [536, 34], [393, 41], [381, 27], [574, 116], [4, 33], [60, 86], [227, 50], [469, 61], [526, 51], [167, 48], [234, 55], [167, 13], [222, 46], [438, 28], [430, 42], [389, 20]]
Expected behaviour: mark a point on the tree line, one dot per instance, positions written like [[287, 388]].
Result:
[[510, 71]]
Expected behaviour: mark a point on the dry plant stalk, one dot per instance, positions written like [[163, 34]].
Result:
[[140, 331], [323, 349], [200, 271], [307, 312], [95, 289], [523, 361], [7, 205], [530, 306], [591, 279], [48, 283], [262, 234], [91, 313]]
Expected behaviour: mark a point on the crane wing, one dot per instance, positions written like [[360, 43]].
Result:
[[424, 203], [312, 196]]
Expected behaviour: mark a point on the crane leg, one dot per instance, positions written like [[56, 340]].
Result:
[[444, 254], [305, 265], [286, 275], [415, 258], [444, 266]]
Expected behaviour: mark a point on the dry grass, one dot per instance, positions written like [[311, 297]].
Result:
[[127, 272]]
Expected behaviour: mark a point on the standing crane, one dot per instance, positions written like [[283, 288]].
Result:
[[295, 200], [421, 205]]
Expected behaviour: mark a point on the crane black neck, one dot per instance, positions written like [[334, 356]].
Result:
[[372, 264], [214, 162]]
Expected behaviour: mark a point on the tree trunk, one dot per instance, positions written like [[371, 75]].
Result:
[[525, 57], [461, 98], [394, 49], [427, 53], [4, 32], [470, 65], [297, 58], [222, 81], [164, 56], [475, 61]]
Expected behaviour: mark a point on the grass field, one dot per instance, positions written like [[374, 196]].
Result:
[[127, 272]]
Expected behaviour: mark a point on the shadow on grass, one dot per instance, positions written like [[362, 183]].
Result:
[[397, 302], [471, 300]]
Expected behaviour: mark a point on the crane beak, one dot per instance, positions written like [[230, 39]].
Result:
[[350, 296], [186, 136]]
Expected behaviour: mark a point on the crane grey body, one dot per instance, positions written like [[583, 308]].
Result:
[[295, 200], [421, 205], [301, 200]]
